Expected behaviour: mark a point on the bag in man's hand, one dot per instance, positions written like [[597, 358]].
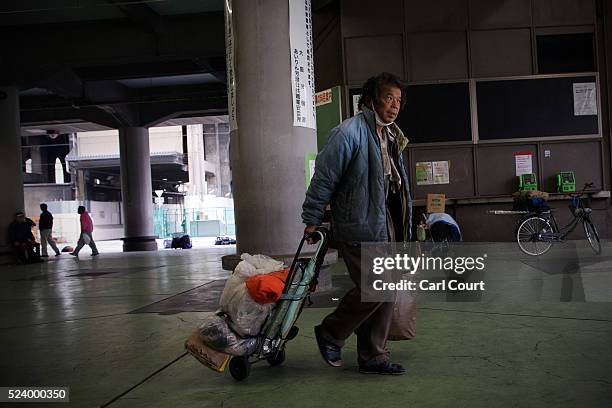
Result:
[[403, 322]]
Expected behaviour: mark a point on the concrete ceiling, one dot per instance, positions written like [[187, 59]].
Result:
[[113, 63], [99, 64]]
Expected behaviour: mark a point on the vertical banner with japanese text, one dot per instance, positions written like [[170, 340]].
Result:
[[302, 65], [229, 59]]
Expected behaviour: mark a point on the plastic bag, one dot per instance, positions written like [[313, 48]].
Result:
[[262, 263], [245, 270], [246, 315], [216, 333]]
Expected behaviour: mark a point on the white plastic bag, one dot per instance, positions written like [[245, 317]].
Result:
[[215, 332], [245, 270], [231, 286], [245, 315], [262, 263]]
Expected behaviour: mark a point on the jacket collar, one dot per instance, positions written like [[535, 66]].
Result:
[[370, 119]]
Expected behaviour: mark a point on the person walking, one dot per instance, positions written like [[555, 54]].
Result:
[[86, 237], [360, 172], [45, 225]]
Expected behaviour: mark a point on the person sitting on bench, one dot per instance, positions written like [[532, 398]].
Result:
[[25, 247]]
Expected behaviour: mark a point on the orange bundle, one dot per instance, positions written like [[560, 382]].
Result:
[[267, 288]]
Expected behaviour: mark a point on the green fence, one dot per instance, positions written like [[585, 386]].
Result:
[[203, 222]]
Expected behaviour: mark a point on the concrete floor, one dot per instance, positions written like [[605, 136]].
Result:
[[67, 322]]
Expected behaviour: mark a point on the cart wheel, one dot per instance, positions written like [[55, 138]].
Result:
[[293, 331], [276, 359], [239, 368]]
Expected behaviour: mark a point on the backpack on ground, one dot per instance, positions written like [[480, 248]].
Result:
[[182, 242]]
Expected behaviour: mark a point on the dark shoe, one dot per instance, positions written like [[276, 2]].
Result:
[[44, 256], [387, 368], [58, 254], [329, 351], [96, 254], [74, 254]]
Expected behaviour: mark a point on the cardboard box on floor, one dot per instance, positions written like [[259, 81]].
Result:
[[436, 203]]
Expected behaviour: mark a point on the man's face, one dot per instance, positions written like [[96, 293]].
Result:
[[389, 102], [20, 218]]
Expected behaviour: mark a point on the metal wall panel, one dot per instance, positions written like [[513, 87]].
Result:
[[563, 12], [437, 56], [461, 171], [496, 167], [583, 158], [485, 14], [436, 15], [367, 56], [371, 17], [501, 52]]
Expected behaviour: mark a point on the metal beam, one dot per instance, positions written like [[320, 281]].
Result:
[[97, 92], [65, 83], [141, 14], [214, 66], [158, 113], [49, 117], [136, 113]]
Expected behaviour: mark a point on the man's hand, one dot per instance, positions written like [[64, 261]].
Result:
[[308, 231]]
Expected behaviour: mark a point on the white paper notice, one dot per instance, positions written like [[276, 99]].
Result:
[[585, 99], [424, 174], [356, 104], [440, 172], [523, 163], [229, 59], [302, 65]]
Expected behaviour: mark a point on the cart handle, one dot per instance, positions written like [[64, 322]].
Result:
[[320, 234]]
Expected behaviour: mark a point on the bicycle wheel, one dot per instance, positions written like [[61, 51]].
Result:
[[529, 236], [591, 233]]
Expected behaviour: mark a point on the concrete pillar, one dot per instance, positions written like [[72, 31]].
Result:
[[10, 164], [136, 190], [267, 153], [218, 176], [37, 161]]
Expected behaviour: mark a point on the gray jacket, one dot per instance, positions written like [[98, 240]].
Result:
[[349, 176]]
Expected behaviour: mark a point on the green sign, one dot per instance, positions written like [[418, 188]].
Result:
[[329, 113], [310, 167]]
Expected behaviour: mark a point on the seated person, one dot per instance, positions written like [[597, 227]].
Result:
[[24, 244]]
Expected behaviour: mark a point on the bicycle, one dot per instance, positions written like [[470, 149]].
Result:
[[539, 230]]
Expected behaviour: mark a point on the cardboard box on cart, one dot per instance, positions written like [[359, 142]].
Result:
[[211, 358]]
